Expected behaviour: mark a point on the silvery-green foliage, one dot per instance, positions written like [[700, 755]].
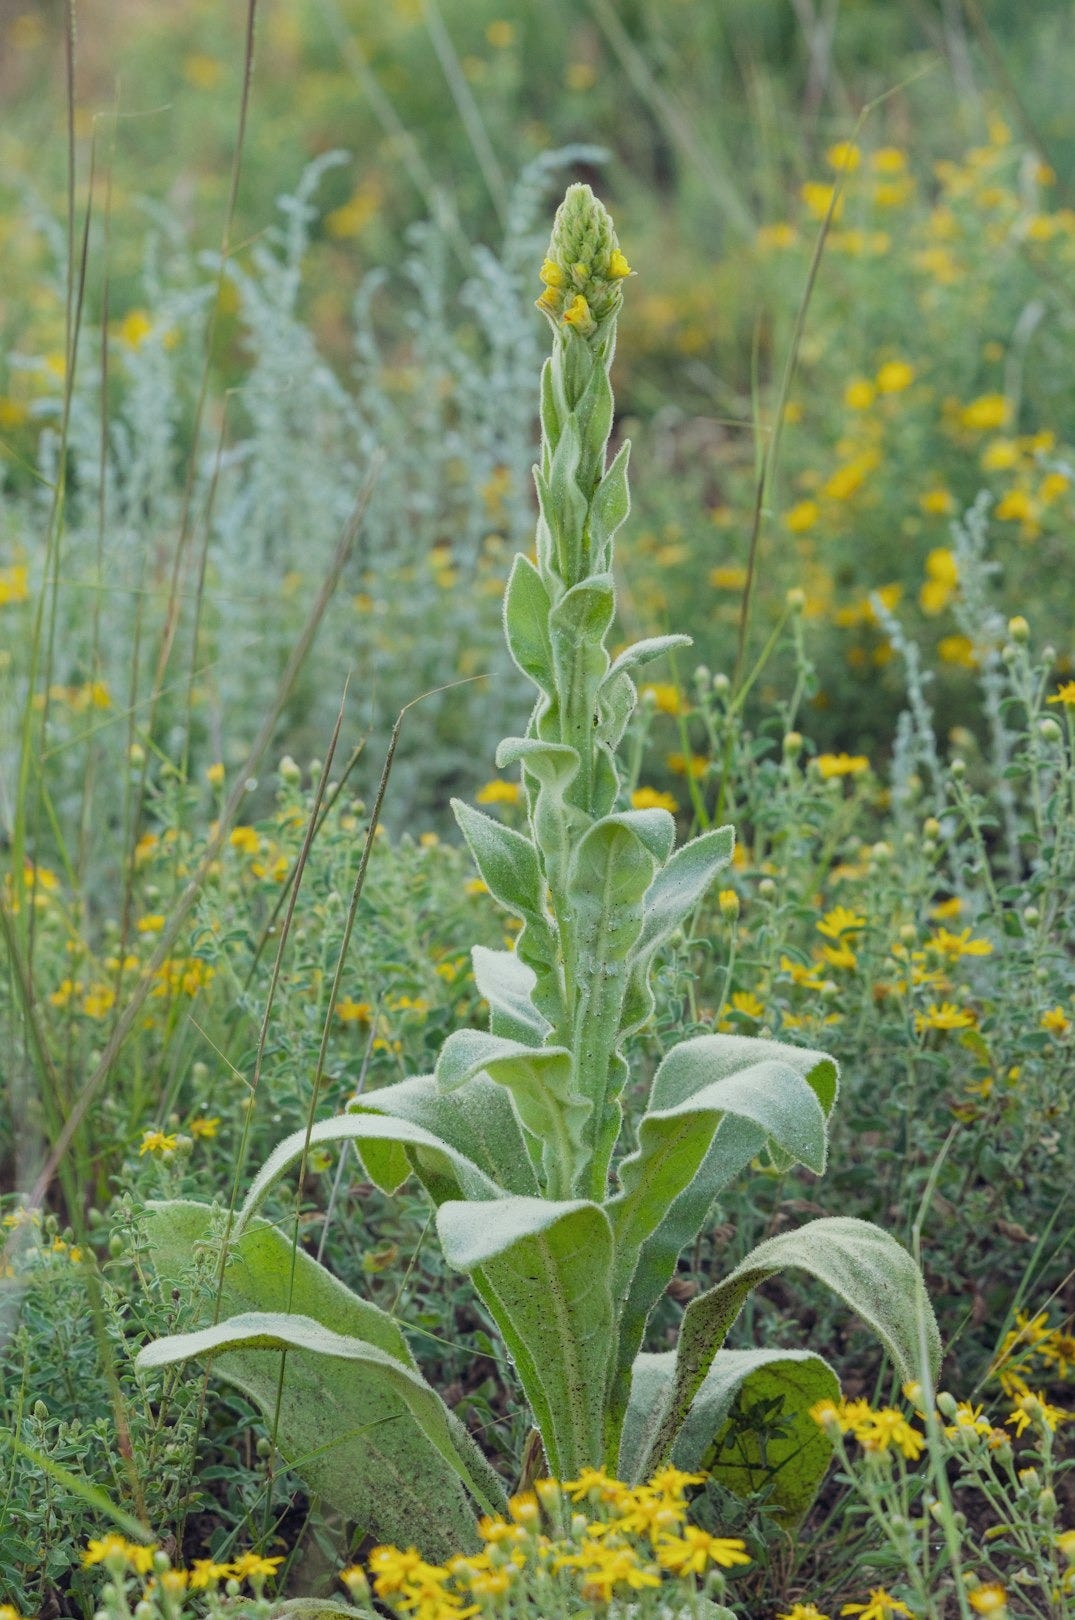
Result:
[[515, 1135], [438, 385]]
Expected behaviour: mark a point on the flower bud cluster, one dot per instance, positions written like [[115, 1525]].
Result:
[[585, 267]]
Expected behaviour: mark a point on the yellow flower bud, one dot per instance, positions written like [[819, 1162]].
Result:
[[618, 266], [551, 274], [578, 313]]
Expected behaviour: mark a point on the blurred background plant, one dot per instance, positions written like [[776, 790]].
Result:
[[895, 746]]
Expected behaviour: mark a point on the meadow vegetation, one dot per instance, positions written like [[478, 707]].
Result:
[[270, 396]]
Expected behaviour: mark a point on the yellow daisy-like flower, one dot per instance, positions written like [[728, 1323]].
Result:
[[157, 1142], [252, 1566], [881, 1605], [840, 921], [692, 1552], [498, 792], [747, 1003], [832, 765], [1064, 694], [117, 1552], [205, 1572], [990, 1598], [1056, 1021], [803, 1611], [946, 1016], [664, 696], [647, 798]]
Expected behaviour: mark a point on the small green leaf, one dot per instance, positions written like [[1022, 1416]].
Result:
[[508, 985], [643, 652], [675, 892], [526, 623], [359, 1128], [610, 507]]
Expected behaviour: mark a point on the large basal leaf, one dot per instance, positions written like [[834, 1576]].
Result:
[[541, 1081], [872, 1273], [375, 1129], [477, 1120], [356, 1418], [686, 1154], [544, 1271], [773, 1445]]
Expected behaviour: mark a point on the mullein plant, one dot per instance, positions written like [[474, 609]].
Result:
[[515, 1135]]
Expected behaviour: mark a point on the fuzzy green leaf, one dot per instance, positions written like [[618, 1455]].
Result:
[[610, 507], [354, 1429], [439, 1155], [545, 1270], [541, 1083], [526, 623], [643, 652], [787, 1458], [282, 1330], [508, 986], [478, 1120], [678, 887], [872, 1273]]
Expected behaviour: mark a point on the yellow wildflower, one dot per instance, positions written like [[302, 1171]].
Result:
[[244, 839], [618, 267], [113, 1549], [1015, 507], [946, 1016], [647, 798], [881, 1606], [839, 921], [803, 1611], [1064, 694], [844, 157], [728, 579], [990, 1598], [830, 765], [937, 500], [202, 1129], [498, 792], [252, 1566], [353, 1012], [746, 1002], [664, 697], [859, 394], [14, 585], [578, 314], [1056, 1021], [134, 328], [1033, 1408], [692, 1552], [987, 412], [895, 376], [157, 1142], [957, 945], [802, 516]]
